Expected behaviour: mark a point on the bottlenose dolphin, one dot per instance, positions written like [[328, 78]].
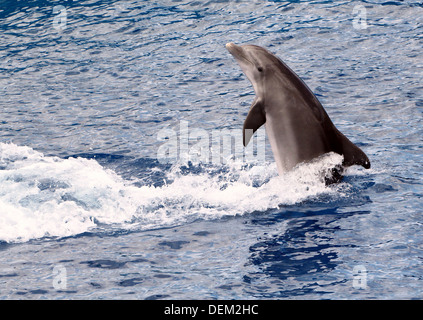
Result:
[[298, 127]]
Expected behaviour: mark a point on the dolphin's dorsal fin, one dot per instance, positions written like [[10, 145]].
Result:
[[255, 119]]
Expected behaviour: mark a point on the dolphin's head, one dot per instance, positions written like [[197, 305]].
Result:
[[256, 62]]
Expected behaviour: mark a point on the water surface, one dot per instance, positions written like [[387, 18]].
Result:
[[89, 211]]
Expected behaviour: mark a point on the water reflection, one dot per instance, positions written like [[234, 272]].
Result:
[[301, 257]]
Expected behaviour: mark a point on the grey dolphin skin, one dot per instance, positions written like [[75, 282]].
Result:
[[298, 127]]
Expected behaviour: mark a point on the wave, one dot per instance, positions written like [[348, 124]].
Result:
[[45, 196]]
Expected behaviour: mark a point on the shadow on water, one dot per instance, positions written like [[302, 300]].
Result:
[[301, 256]]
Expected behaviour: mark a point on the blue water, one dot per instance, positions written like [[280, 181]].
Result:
[[90, 210]]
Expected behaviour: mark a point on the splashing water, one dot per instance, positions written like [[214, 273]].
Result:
[[42, 196]]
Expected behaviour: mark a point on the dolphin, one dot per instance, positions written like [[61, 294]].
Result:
[[298, 128]]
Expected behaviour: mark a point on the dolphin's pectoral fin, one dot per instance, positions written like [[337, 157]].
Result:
[[255, 119]]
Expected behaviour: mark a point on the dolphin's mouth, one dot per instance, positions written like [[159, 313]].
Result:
[[232, 47], [237, 52]]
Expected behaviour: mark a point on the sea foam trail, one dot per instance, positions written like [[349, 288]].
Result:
[[42, 196]]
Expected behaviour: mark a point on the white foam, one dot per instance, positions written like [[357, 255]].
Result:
[[48, 196]]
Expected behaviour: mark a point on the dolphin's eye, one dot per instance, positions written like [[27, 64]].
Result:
[[260, 69]]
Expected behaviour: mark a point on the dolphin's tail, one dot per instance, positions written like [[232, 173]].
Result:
[[353, 155]]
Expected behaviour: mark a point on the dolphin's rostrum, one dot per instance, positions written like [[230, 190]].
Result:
[[298, 127]]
